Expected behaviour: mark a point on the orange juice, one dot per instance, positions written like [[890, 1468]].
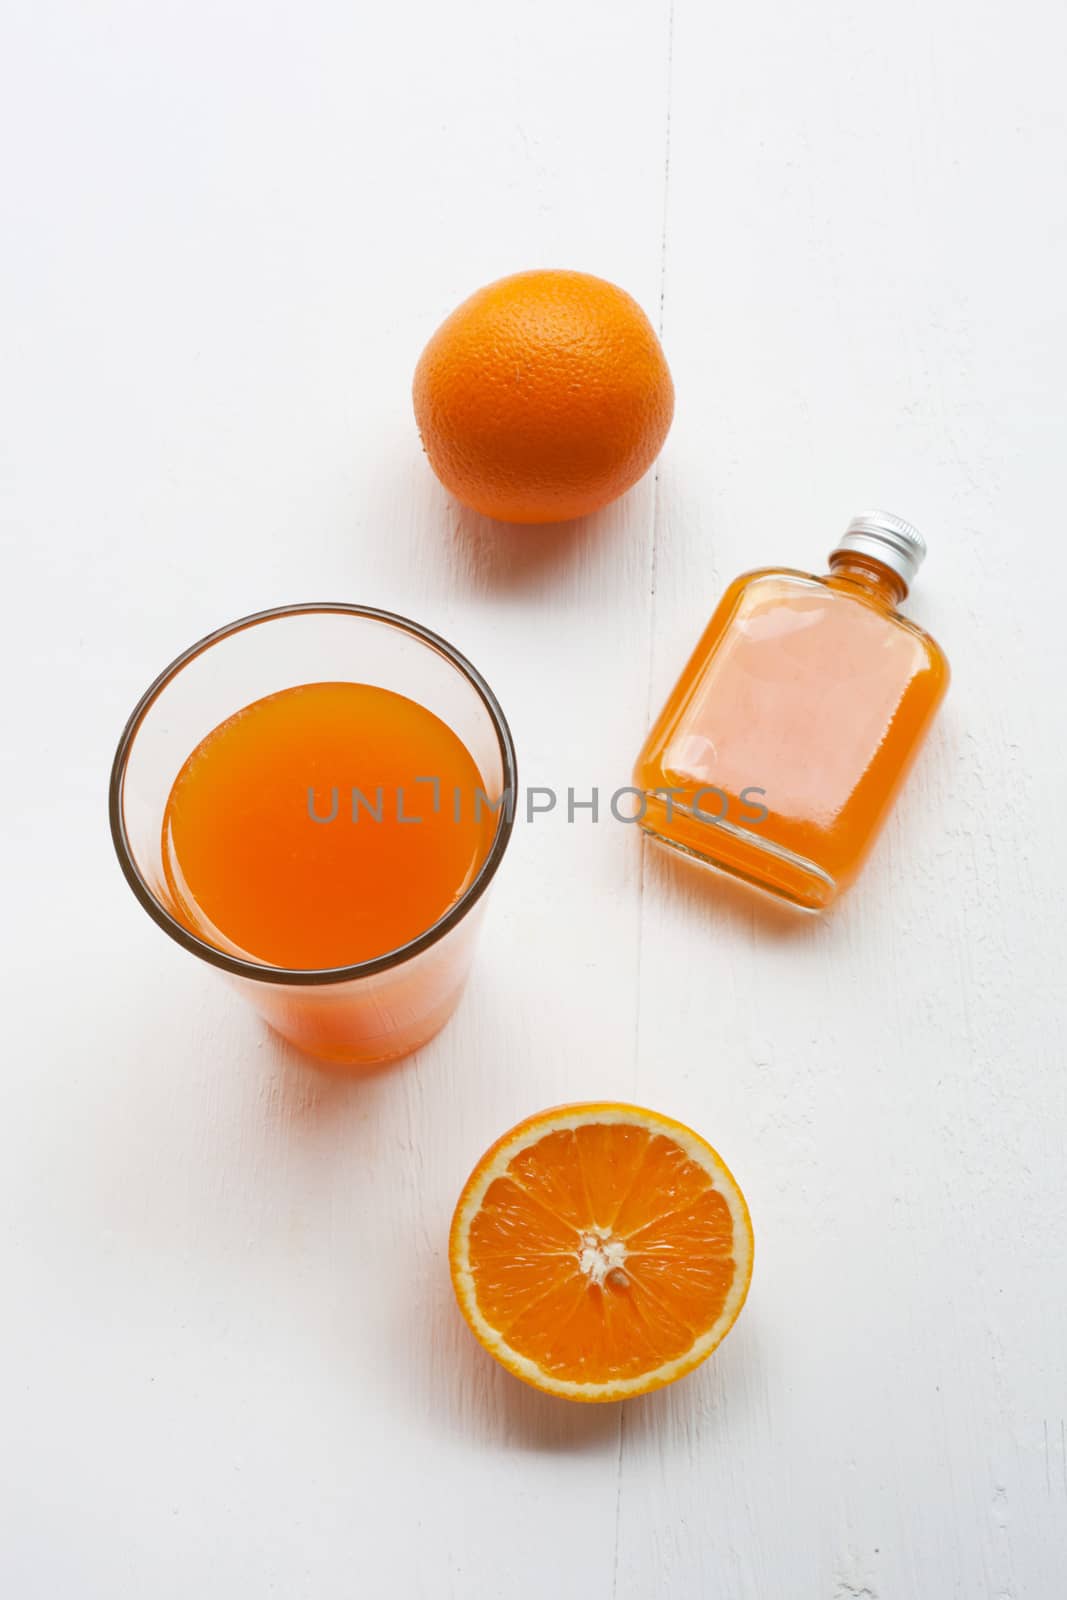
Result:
[[322, 826], [783, 745]]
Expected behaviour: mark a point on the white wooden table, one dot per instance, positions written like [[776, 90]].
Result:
[[231, 1362]]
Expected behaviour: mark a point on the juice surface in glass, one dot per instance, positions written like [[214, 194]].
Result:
[[324, 825]]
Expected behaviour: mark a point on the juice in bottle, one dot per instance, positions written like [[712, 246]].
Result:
[[322, 826], [786, 739]]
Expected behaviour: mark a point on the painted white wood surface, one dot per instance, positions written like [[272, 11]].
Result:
[[229, 1359]]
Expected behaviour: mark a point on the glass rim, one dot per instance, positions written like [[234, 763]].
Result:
[[263, 972]]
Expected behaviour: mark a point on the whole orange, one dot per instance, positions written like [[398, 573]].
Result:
[[543, 396]]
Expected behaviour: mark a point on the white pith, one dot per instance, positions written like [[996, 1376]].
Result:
[[600, 1252], [602, 1256]]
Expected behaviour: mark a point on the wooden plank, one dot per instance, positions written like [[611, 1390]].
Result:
[[860, 309]]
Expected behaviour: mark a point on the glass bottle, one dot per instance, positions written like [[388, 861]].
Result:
[[787, 737]]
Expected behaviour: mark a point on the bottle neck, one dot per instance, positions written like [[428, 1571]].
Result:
[[876, 580]]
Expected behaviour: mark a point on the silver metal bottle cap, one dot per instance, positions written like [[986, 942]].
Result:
[[888, 539]]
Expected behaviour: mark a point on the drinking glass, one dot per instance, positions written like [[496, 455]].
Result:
[[371, 1011]]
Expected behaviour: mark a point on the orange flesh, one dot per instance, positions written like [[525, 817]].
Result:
[[249, 869], [813, 690], [568, 1206]]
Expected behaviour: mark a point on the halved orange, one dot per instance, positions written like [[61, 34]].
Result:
[[600, 1251]]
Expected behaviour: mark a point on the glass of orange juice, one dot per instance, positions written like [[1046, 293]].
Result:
[[314, 800]]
